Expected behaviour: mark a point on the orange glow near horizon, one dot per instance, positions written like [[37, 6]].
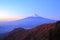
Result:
[[10, 19], [8, 16]]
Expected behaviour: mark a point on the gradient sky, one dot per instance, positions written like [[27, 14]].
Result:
[[15, 9]]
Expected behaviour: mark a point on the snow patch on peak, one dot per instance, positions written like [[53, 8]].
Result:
[[35, 15]]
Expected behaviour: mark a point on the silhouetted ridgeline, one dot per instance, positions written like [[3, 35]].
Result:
[[42, 32]]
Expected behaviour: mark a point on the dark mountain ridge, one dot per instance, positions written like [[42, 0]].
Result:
[[41, 32]]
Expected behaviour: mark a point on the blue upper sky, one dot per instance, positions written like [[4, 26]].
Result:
[[45, 8]]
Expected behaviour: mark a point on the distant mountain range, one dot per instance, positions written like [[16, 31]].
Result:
[[26, 23], [41, 32]]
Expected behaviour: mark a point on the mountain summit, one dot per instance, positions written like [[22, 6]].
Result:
[[35, 15], [26, 23]]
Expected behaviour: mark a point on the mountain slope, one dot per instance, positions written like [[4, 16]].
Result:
[[41, 32], [26, 23]]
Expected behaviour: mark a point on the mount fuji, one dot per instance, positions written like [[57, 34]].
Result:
[[26, 23]]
